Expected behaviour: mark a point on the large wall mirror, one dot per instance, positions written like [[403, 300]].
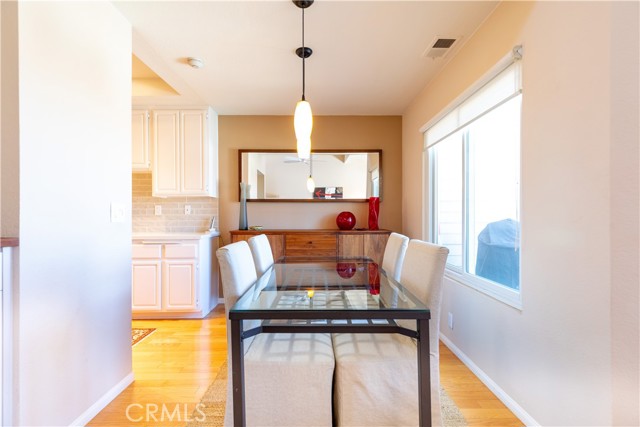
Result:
[[338, 175]]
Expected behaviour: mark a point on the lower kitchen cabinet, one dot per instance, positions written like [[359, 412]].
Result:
[[146, 290], [174, 278], [180, 285]]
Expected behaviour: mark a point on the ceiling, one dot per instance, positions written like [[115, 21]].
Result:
[[368, 56]]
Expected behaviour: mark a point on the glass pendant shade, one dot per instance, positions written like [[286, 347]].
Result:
[[303, 124], [311, 185]]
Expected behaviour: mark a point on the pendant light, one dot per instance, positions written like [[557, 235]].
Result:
[[311, 185], [303, 118]]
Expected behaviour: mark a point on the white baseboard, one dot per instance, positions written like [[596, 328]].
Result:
[[101, 403], [513, 406]]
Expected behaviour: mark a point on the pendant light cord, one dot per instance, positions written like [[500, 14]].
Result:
[[303, 57]]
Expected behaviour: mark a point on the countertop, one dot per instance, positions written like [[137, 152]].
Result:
[[177, 236], [6, 242]]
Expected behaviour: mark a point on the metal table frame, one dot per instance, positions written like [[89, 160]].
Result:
[[421, 314]]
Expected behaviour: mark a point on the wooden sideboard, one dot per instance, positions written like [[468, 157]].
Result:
[[330, 243]]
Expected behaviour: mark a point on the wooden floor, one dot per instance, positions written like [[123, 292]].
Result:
[[174, 366]]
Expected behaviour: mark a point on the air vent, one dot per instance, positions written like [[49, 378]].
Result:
[[439, 47], [444, 43]]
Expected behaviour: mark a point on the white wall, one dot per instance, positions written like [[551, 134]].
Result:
[[74, 291], [554, 357]]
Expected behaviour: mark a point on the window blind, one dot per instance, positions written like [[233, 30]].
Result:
[[499, 89]]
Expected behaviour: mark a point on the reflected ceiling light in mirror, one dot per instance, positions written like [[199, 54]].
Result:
[[303, 118], [311, 185]]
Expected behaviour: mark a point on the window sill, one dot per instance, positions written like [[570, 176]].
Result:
[[500, 293]]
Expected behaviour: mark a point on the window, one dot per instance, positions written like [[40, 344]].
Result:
[[473, 150]]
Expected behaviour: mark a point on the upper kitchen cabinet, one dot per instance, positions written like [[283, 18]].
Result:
[[185, 146], [140, 156]]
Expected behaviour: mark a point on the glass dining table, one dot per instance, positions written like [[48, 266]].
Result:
[[320, 295]]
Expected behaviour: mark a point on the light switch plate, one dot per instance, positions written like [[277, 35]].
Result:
[[157, 209], [118, 212]]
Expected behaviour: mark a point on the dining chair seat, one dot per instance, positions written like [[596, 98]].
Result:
[[288, 378], [376, 376], [376, 381]]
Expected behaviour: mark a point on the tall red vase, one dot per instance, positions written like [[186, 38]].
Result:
[[374, 209]]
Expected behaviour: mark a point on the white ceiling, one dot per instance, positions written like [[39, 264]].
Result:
[[367, 55]]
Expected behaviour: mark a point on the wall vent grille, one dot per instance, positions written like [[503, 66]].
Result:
[[439, 47]]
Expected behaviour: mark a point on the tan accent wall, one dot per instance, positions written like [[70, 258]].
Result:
[[329, 132]]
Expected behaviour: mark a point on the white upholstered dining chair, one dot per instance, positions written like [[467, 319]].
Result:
[[394, 253], [288, 378], [261, 251], [376, 378]]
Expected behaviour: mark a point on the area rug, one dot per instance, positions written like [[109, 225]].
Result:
[[210, 411], [137, 334]]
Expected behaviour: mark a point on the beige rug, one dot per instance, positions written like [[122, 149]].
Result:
[[137, 334], [210, 412]]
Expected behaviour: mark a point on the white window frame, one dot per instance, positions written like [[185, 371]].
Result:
[[499, 292]]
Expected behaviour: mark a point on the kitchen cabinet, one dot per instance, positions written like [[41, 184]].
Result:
[[147, 287], [329, 243], [185, 145], [174, 277], [140, 149]]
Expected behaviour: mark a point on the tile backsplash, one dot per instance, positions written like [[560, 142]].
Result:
[[173, 219]]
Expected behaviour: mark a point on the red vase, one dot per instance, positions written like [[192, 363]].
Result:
[[346, 220], [374, 209], [374, 279]]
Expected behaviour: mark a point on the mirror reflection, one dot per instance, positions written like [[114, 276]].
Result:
[[329, 175]]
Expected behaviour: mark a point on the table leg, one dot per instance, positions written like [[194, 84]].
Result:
[[424, 373], [237, 371]]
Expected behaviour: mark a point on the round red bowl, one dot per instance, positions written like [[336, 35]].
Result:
[[346, 220]]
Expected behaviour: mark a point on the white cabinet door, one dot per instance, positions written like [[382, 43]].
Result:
[[183, 153], [194, 152], [166, 153], [180, 285], [140, 140], [146, 282]]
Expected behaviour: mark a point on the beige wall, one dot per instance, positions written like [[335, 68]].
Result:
[[329, 132], [570, 356], [9, 118]]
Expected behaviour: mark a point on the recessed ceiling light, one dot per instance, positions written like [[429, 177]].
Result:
[[195, 62]]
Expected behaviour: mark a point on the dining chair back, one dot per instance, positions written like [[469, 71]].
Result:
[[283, 372], [422, 274], [394, 253], [261, 251], [376, 379], [237, 273]]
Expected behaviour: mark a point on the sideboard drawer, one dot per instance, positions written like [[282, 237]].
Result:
[[312, 244]]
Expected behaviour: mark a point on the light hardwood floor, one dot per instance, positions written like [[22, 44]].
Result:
[[175, 365]]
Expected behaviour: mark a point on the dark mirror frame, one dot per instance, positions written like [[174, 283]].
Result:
[[260, 150]]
